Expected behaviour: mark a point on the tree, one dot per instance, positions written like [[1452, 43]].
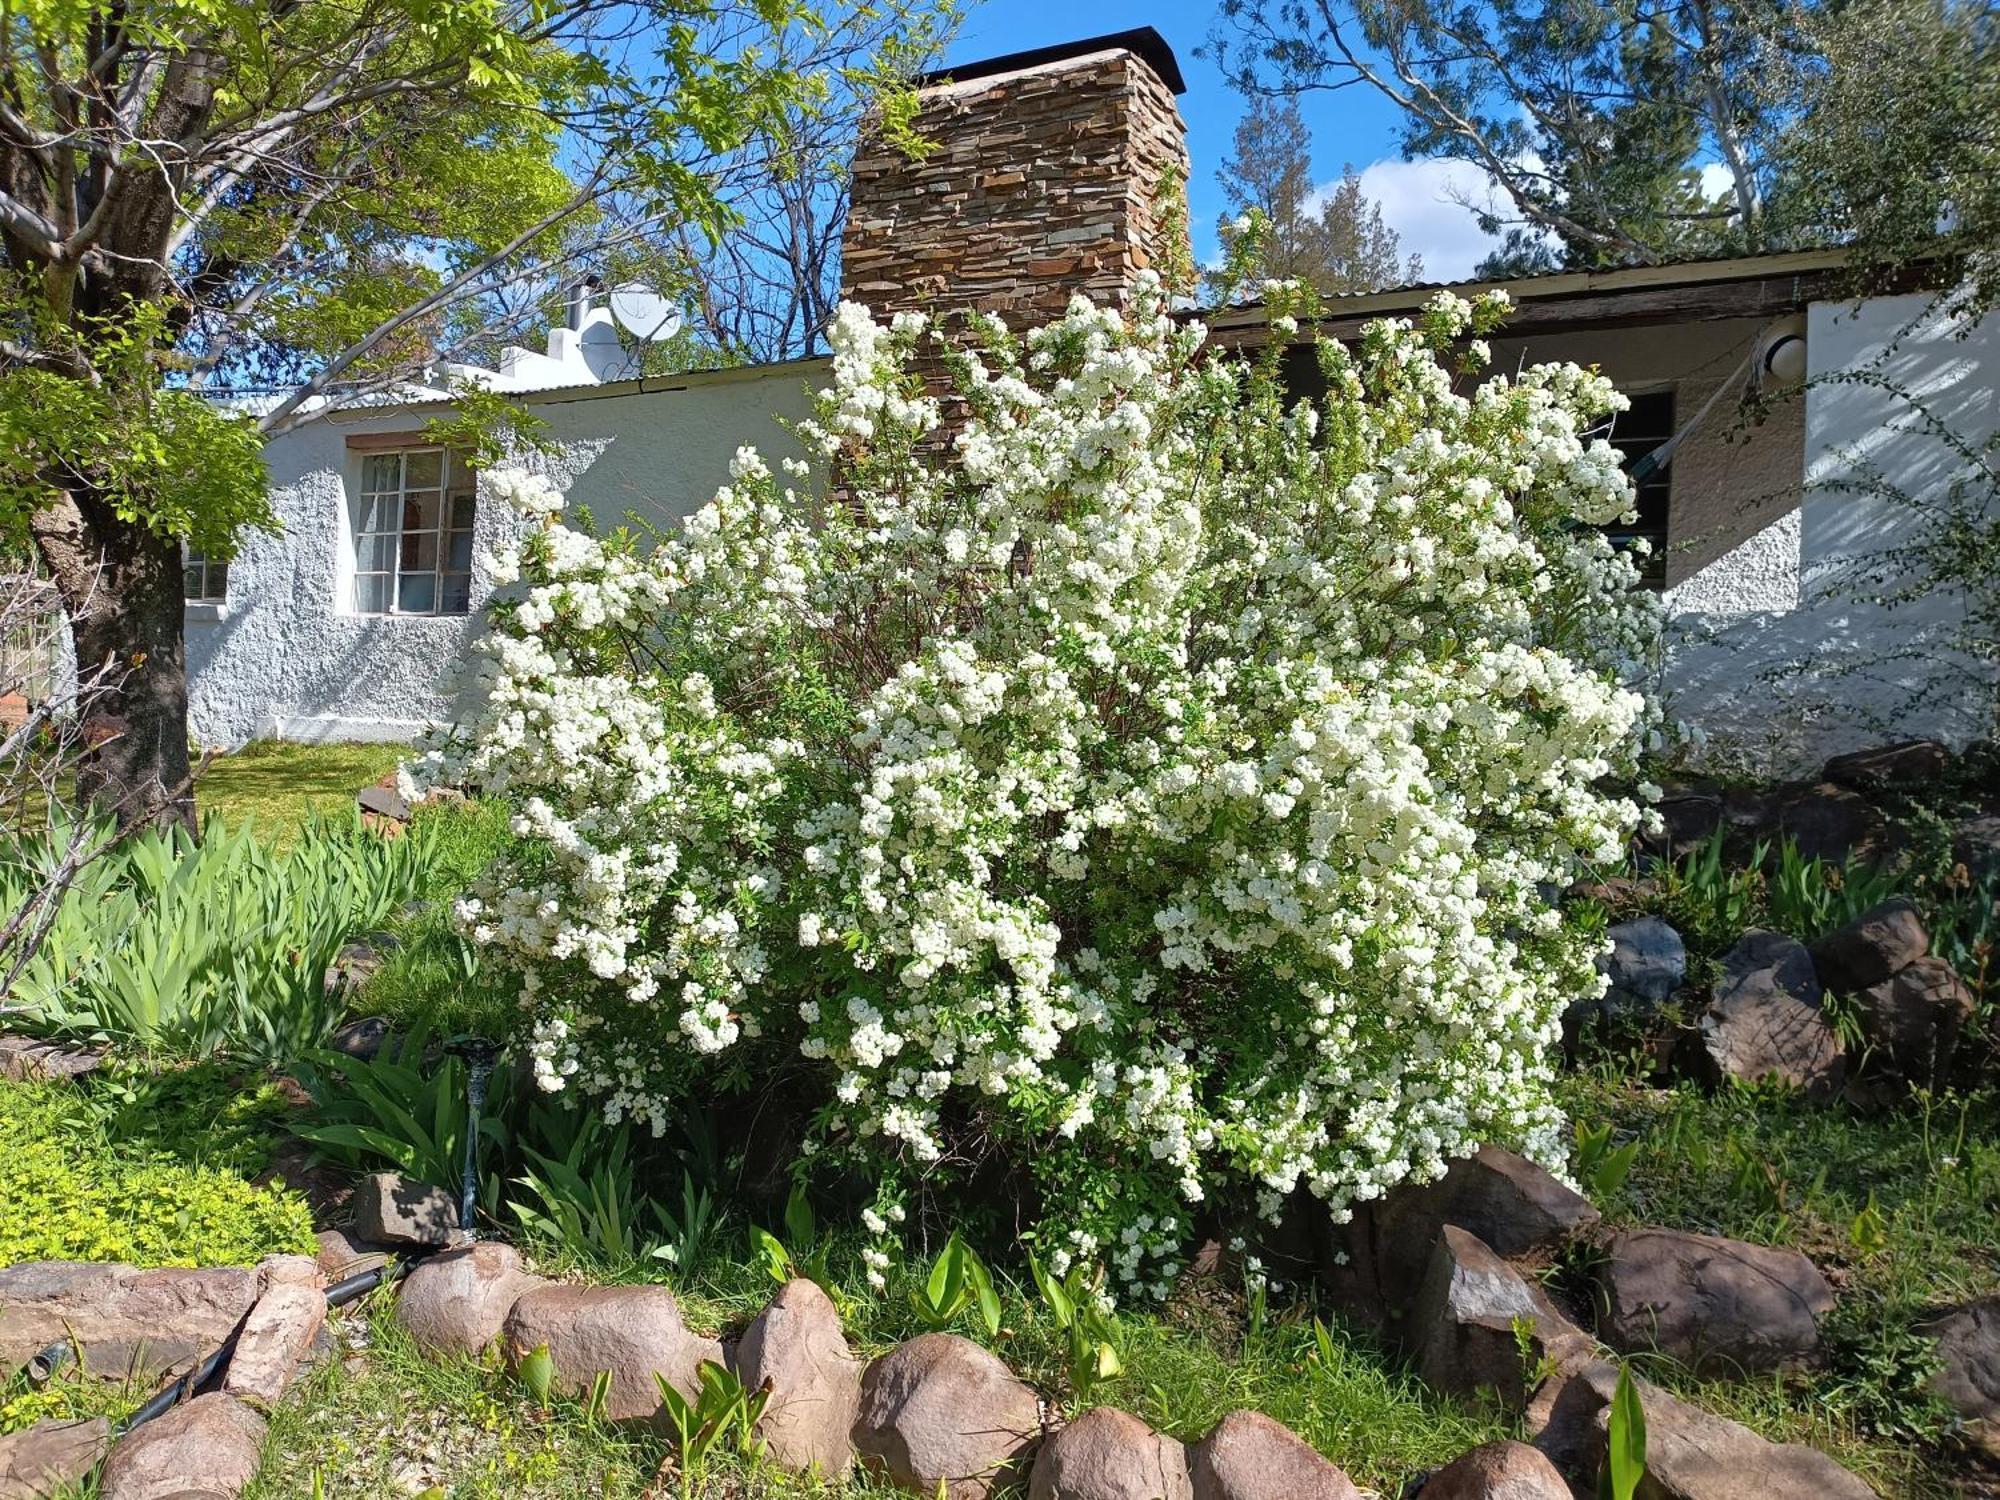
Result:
[[1885, 125], [1598, 121], [318, 195], [1334, 240]]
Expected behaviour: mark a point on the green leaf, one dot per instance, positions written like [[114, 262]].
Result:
[[1625, 1452], [538, 1373]]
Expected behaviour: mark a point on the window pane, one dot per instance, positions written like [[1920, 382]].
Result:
[[371, 593], [375, 554], [420, 512], [420, 552], [461, 511], [191, 581], [381, 471], [218, 580], [459, 555], [457, 596], [424, 471], [379, 514], [417, 594]]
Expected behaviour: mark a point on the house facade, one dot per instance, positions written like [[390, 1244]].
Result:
[[1756, 435]]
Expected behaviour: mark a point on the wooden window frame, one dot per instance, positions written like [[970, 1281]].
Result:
[[412, 542]]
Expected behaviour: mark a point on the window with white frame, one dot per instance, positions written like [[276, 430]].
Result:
[[413, 532], [204, 580]]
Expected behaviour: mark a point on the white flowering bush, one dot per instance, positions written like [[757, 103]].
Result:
[[1159, 779]]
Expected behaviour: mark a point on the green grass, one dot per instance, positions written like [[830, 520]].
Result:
[[280, 785], [1896, 1208]]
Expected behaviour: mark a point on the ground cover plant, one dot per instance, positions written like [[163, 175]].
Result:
[[1171, 768]]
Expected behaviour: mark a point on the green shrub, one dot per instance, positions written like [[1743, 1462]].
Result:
[[195, 946], [72, 1194]]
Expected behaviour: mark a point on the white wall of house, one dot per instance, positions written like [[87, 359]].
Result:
[[1775, 651], [287, 654]]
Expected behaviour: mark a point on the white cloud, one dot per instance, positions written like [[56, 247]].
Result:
[[1425, 203]]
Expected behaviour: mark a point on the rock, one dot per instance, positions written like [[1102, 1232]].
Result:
[[1764, 1018], [941, 1411], [360, 1039], [390, 1209], [1909, 763], [343, 1253], [796, 1344], [633, 1332], [1915, 1017], [1688, 819], [129, 1324], [51, 1459], [26, 1059], [1498, 1471], [1463, 1330], [1691, 1454], [1247, 1456], [1975, 844], [1107, 1454], [1646, 964], [1513, 1205], [280, 1329], [1968, 1348], [384, 801], [206, 1449], [1719, 1306], [1875, 945], [456, 1302], [1832, 822]]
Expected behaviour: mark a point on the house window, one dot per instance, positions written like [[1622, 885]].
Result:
[[1635, 433], [204, 580], [413, 533]]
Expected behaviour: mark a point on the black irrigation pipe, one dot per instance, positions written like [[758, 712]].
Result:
[[338, 1295]]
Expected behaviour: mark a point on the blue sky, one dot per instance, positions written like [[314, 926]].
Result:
[[1353, 125]]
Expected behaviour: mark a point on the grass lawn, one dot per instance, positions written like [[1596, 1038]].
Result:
[[280, 785]]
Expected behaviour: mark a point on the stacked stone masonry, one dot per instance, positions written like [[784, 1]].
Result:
[[1043, 183]]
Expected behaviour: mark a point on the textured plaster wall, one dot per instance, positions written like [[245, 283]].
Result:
[[1774, 650], [286, 655]]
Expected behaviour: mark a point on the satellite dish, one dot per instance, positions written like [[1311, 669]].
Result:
[[644, 313]]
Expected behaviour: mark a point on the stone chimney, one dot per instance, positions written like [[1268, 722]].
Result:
[[1045, 182]]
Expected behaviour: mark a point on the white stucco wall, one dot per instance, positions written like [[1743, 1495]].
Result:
[[286, 654], [1773, 650]]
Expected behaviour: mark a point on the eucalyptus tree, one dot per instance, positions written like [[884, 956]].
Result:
[[317, 197]]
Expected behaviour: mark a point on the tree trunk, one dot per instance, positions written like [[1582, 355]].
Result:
[[121, 590]]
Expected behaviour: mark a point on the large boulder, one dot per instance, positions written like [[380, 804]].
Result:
[[1975, 844], [1691, 1454], [1968, 1378], [1904, 764], [205, 1450], [51, 1459], [125, 1324], [1497, 1471], [796, 1345], [391, 1209], [1876, 944], [280, 1328], [1832, 822], [633, 1332], [1914, 1018], [456, 1302], [26, 1059], [1107, 1454], [1248, 1456], [940, 1411], [1722, 1307], [1513, 1205], [1480, 1325], [1764, 1019]]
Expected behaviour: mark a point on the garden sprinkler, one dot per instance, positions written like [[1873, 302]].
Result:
[[479, 1055]]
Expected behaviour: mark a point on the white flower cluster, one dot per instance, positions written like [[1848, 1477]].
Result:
[[1163, 778]]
